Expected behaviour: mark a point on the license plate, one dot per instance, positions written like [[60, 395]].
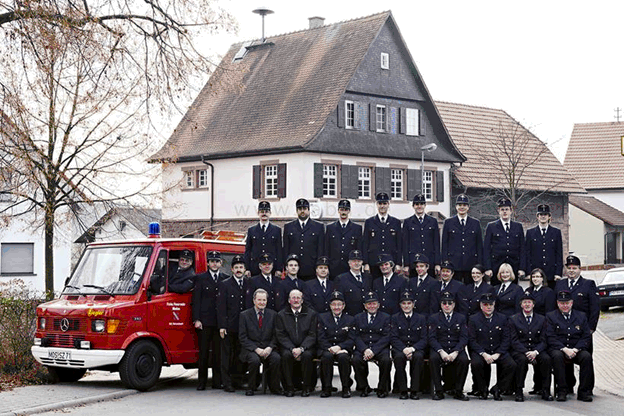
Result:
[[616, 293], [60, 355]]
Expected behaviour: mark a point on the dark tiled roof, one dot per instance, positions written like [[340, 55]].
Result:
[[594, 155], [598, 209], [478, 133]]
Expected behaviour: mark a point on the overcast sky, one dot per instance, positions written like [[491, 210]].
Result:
[[549, 63]]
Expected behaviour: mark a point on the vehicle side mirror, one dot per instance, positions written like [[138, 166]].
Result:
[[66, 281]]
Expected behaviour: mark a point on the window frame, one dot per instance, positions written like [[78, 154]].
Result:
[[431, 183], [400, 181], [384, 117], [328, 178], [6, 246], [265, 180], [369, 179], [412, 124], [348, 119], [201, 182], [385, 60]]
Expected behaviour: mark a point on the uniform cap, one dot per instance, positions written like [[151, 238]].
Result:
[[487, 298], [564, 295], [420, 258], [504, 202], [265, 258], [292, 256], [462, 199], [406, 295], [213, 255], [322, 261], [188, 254], [527, 296], [336, 295], [419, 199], [302, 203], [446, 296], [446, 264], [355, 255], [370, 297], [573, 260], [543, 209], [384, 258], [344, 203], [382, 197], [264, 206]]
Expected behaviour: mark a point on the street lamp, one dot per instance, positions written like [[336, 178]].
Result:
[[426, 148]]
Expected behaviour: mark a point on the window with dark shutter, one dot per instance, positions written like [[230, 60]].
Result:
[[402, 120], [440, 186], [318, 180], [422, 130], [413, 183], [382, 180], [281, 180], [341, 114], [372, 117], [256, 191], [349, 182]]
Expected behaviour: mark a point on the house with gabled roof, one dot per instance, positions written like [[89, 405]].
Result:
[[334, 111], [495, 145]]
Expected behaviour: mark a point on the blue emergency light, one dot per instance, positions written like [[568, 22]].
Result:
[[154, 230]]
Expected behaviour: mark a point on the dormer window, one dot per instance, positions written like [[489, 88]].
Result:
[[385, 61]]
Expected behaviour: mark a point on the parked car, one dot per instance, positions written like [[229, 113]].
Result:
[[611, 289]]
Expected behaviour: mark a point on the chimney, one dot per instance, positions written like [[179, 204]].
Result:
[[316, 21]]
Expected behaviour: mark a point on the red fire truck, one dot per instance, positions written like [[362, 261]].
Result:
[[116, 313]]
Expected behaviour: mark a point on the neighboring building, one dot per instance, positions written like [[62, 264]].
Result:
[[493, 141], [595, 157], [331, 112], [123, 223], [596, 231]]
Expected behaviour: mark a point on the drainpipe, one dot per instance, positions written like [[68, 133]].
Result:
[[211, 189]]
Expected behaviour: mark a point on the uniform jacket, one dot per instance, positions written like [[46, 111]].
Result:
[[250, 334], [492, 337], [545, 300], [260, 282], [463, 246], [421, 238], [525, 337], [329, 333], [307, 243], [182, 281], [296, 331], [390, 294], [423, 294], [544, 252], [353, 291], [381, 238], [470, 296], [375, 336], [404, 333], [454, 287], [204, 300], [447, 336], [230, 303], [501, 247], [339, 243], [283, 288], [315, 297], [585, 296], [572, 333], [508, 302], [259, 242]]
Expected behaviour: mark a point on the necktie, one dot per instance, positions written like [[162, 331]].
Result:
[[571, 284], [344, 226], [336, 318], [268, 279], [463, 222], [448, 318], [420, 219], [296, 281], [323, 285], [502, 288], [567, 316], [419, 282], [475, 288], [489, 320], [215, 277], [506, 227], [371, 318], [260, 319], [408, 317], [386, 280], [529, 320], [543, 232], [240, 283], [263, 228], [358, 278], [443, 286], [383, 220]]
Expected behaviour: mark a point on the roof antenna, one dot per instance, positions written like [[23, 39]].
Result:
[[263, 11]]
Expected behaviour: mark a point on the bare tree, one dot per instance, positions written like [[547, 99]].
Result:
[[85, 88]]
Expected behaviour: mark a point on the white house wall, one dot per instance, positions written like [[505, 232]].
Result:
[[586, 237], [613, 198]]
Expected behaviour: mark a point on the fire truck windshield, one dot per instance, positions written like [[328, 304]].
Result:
[[109, 270]]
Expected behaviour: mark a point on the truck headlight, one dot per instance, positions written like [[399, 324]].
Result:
[[42, 323], [98, 325]]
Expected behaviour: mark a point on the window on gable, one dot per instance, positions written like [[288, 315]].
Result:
[[202, 178], [189, 180], [381, 118], [17, 258], [349, 114], [396, 184], [330, 181], [427, 184], [270, 181], [364, 182], [412, 118], [385, 61]]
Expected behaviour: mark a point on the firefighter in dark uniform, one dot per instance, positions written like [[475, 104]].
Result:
[[335, 344], [447, 285], [265, 280], [528, 346], [544, 247], [389, 285], [508, 293], [382, 234], [470, 294], [504, 242], [354, 284], [583, 291], [420, 234], [291, 281], [305, 238], [319, 290], [342, 237], [182, 278], [408, 338], [263, 237], [489, 344], [372, 343], [448, 337], [422, 285], [214, 270], [569, 337], [462, 243], [230, 303]]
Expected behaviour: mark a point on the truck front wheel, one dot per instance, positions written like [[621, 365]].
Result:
[[141, 365], [66, 375]]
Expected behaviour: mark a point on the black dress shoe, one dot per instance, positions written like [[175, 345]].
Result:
[[403, 396], [461, 396], [279, 392], [519, 397], [438, 395], [201, 386], [534, 391], [561, 397], [473, 393], [325, 393], [305, 393], [249, 393], [547, 397], [366, 391], [382, 394], [229, 389], [585, 398], [346, 393], [496, 395], [483, 396], [414, 396], [289, 393]]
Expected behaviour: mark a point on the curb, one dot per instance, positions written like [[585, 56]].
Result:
[[91, 399]]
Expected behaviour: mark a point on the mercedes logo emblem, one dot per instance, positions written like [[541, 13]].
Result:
[[64, 324]]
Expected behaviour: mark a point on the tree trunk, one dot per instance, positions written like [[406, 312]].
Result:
[[49, 254]]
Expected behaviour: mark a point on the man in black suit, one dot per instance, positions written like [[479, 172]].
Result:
[[544, 247], [290, 282], [319, 290], [230, 303], [422, 285], [342, 237], [335, 344], [389, 285], [528, 346], [408, 338], [263, 237], [354, 284], [448, 337], [569, 337], [489, 344], [382, 234], [296, 334], [504, 242], [462, 243], [421, 235], [447, 285], [583, 291], [372, 343], [214, 270], [265, 280], [259, 343], [305, 238]]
